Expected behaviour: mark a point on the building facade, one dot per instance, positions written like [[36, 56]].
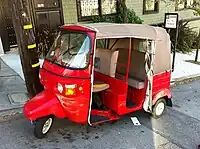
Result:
[[151, 11], [53, 13]]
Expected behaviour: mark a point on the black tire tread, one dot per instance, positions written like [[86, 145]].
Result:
[[39, 125], [154, 107]]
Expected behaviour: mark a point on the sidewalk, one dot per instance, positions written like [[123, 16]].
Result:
[[183, 69], [13, 93], [13, 90]]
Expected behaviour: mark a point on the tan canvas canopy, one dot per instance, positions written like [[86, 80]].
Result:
[[126, 30], [112, 30], [162, 61]]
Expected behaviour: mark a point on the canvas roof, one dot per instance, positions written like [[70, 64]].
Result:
[[113, 30], [140, 31]]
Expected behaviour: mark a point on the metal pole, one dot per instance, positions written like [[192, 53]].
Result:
[[129, 58], [198, 46], [175, 45]]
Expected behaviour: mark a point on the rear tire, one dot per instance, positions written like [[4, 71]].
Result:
[[159, 108], [42, 126]]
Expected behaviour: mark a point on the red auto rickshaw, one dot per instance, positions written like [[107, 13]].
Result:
[[96, 73]]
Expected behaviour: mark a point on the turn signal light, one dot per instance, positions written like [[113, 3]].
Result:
[[69, 91]]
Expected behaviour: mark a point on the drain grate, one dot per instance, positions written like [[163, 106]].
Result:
[[18, 98]]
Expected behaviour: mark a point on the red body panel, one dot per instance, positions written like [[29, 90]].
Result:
[[137, 95], [43, 104], [115, 97], [74, 107], [161, 86]]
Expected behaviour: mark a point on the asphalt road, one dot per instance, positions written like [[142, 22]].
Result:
[[179, 128]]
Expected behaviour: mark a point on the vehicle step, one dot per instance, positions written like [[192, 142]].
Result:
[[130, 104], [97, 118]]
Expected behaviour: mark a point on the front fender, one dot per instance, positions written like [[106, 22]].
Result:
[[43, 104]]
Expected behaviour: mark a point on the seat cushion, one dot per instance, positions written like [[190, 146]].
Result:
[[106, 61], [100, 86], [136, 83]]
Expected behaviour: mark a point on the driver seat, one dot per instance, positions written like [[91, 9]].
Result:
[[99, 86]]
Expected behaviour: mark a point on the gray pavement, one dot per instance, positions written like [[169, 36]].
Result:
[[13, 93], [179, 128]]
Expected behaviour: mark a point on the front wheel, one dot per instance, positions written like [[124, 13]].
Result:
[[159, 108], [42, 126]]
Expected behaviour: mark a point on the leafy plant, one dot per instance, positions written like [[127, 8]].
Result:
[[197, 11], [133, 18], [111, 19], [119, 18], [186, 38], [44, 41]]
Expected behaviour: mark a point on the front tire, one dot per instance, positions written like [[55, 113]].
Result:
[[159, 108], [42, 126]]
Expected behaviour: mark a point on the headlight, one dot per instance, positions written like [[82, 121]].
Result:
[[60, 87], [39, 76]]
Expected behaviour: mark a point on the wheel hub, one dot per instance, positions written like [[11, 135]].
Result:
[[47, 125], [160, 108]]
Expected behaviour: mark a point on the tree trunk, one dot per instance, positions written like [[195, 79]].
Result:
[[123, 10]]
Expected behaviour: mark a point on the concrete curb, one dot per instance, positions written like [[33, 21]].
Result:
[[185, 80], [10, 114]]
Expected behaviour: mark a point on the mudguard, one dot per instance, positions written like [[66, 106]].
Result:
[[162, 93], [43, 104]]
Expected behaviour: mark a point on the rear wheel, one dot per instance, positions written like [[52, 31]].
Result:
[[42, 126], [159, 108]]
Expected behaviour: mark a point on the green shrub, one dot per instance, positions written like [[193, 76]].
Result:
[[44, 41], [133, 18], [186, 39], [119, 18], [197, 11]]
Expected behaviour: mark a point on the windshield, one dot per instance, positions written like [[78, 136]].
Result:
[[70, 49]]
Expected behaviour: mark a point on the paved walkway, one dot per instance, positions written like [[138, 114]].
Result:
[[13, 93], [182, 68]]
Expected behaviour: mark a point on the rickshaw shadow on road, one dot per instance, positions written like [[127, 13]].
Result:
[[64, 126], [122, 134]]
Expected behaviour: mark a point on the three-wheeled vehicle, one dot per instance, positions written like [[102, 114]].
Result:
[[99, 72]]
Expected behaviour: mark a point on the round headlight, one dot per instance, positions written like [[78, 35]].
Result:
[[60, 87]]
